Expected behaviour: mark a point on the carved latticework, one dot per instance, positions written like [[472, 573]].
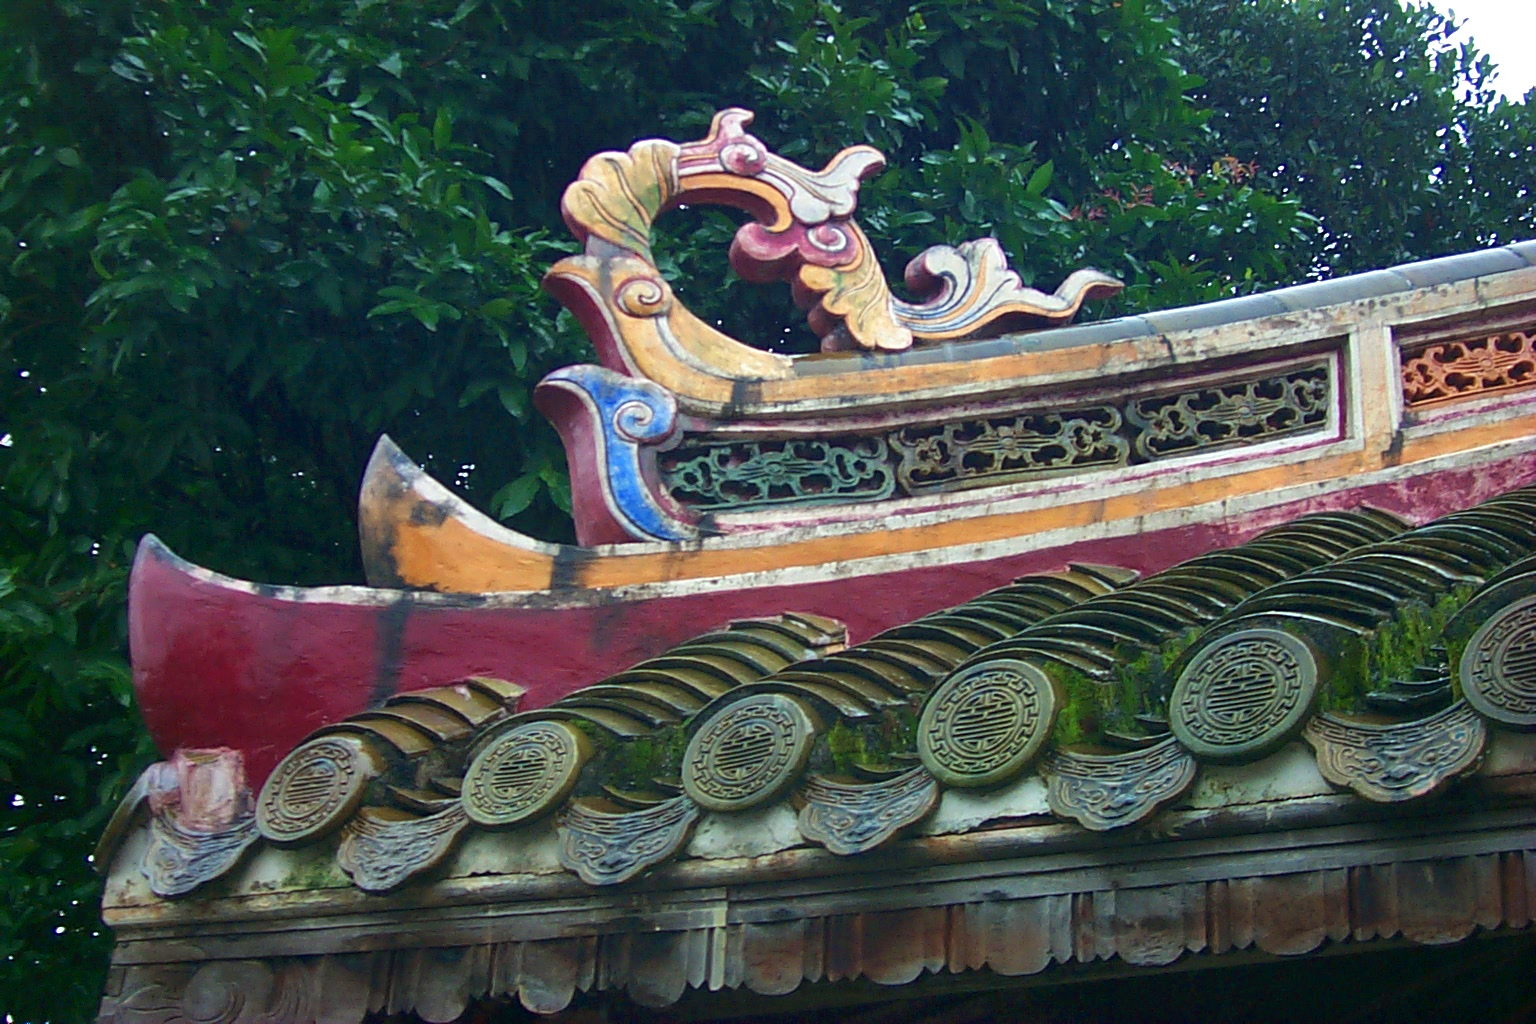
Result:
[[1000, 448], [977, 452], [1225, 414], [803, 472], [1443, 371]]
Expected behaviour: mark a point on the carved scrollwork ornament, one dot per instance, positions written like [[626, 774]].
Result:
[[1244, 695], [987, 722], [606, 848], [607, 419], [523, 772], [180, 859], [644, 296], [1497, 669], [849, 819], [1402, 760], [382, 848], [748, 753], [315, 788], [1108, 791], [802, 232]]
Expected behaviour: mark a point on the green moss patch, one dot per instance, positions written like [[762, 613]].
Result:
[[634, 763], [1393, 650]]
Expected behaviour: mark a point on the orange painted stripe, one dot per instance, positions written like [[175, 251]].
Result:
[[451, 556]]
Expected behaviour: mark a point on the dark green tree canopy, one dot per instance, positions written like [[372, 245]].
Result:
[[240, 241], [1368, 115]]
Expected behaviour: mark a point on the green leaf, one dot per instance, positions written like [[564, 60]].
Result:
[[250, 41], [1039, 180], [515, 496], [392, 306], [428, 313], [514, 399]]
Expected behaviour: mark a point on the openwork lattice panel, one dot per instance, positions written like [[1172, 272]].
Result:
[[1443, 371]]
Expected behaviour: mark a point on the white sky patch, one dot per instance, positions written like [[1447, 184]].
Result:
[[1506, 31]]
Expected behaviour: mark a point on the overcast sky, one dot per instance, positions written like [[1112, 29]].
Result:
[[1506, 31]]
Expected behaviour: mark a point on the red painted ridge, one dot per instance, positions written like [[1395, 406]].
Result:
[[220, 662]]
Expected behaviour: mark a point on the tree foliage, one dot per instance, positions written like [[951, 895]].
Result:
[[239, 241], [1373, 117]]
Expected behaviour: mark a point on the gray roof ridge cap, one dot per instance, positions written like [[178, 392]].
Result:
[[1366, 284]]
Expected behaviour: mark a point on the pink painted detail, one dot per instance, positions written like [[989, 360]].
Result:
[[812, 196], [763, 256], [727, 147], [206, 788], [218, 662]]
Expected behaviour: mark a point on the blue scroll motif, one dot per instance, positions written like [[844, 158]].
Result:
[[626, 414]]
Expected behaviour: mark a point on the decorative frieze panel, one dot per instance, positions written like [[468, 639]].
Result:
[[762, 473], [1468, 367], [716, 475], [1224, 414], [977, 452]]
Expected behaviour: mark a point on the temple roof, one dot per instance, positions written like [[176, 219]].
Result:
[[958, 646], [756, 799]]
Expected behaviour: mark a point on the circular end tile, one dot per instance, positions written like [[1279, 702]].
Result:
[[749, 753], [1498, 667], [987, 722], [1244, 695], [523, 772], [314, 789]]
